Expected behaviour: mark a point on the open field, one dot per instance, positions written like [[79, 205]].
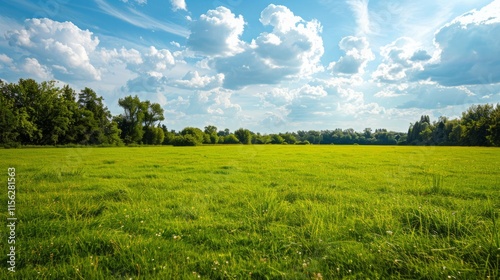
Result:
[[254, 212]]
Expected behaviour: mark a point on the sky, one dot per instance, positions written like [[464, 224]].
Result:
[[268, 66]]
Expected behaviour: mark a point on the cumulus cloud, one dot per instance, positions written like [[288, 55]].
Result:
[[217, 33], [278, 96], [151, 66], [6, 61], [401, 59], [293, 48], [469, 49], [215, 102], [193, 80], [151, 82], [285, 96], [128, 56], [33, 67], [358, 54], [61, 43], [157, 60], [178, 5], [152, 61]]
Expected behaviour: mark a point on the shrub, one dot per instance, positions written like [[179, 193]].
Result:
[[186, 140]]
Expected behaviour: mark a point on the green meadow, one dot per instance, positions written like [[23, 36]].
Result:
[[254, 212]]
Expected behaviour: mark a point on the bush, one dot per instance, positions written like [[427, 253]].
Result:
[[231, 139], [305, 142], [186, 140]]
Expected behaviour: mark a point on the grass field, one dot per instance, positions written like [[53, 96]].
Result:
[[254, 212]]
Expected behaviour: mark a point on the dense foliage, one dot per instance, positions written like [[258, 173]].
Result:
[[34, 113], [479, 126]]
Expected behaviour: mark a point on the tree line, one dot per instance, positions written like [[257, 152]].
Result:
[[478, 126], [33, 113]]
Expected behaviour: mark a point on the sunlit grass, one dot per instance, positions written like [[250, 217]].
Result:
[[256, 212]]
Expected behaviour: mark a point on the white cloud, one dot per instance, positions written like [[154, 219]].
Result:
[[360, 10], [214, 102], [393, 90], [175, 44], [193, 80], [217, 33], [150, 66], [33, 67], [313, 92], [469, 49], [358, 54], [128, 56], [278, 96], [178, 5], [280, 17], [61, 43], [293, 49], [150, 82], [6, 61], [401, 59], [158, 60]]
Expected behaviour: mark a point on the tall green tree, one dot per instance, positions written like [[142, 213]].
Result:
[[476, 122], [494, 127], [94, 120], [211, 131], [9, 119], [131, 121], [153, 114], [244, 136]]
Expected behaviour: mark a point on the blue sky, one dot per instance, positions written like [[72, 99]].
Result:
[[269, 66]]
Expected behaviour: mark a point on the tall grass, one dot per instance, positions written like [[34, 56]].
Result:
[[256, 212]]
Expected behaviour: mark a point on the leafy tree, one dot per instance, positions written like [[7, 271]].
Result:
[[168, 135], [494, 127], [367, 132], [244, 136], [195, 133], [261, 139], [153, 135], [277, 139], [476, 122], [8, 118], [211, 131], [289, 138], [131, 122], [224, 132], [93, 120], [152, 114], [231, 139]]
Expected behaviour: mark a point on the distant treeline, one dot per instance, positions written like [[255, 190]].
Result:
[[34, 113]]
